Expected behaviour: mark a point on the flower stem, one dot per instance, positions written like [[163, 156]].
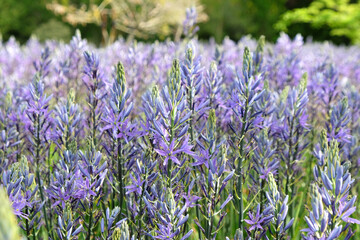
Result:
[[88, 236], [37, 159], [240, 165]]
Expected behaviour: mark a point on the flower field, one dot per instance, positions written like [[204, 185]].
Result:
[[179, 140]]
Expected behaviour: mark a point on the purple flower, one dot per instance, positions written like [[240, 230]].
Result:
[[165, 232], [85, 189], [236, 136], [190, 200], [170, 151], [189, 24], [329, 195], [68, 119], [257, 221], [18, 203], [264, 159], [136, 185], [202, 158], [344, 211], [339, 119]]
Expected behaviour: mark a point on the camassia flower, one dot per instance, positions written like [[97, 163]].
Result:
[[259, 220], [136, 185], [171, 151], [339, 119], [23, 194], [279, 209], [165, 232], [189, 24], [332, 204]]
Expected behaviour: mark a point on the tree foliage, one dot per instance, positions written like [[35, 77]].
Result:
[[237, 18], [134, 18], [341, 17], [15, 17]]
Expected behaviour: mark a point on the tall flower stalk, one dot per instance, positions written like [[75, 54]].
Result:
[[93, 80], [172, 124], [119, 129], [67, 120], [242, 101], [214, 161], [93, 173], [338, 124], [39, 115], [279, 207], [191, 74], [192, 80], [265, 161], [331, 200], [9, 135], [291, 136], [22, 190]]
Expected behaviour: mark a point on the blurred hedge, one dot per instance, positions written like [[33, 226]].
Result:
[[233, 18], [340, 19], [236, 18], [21, 18]]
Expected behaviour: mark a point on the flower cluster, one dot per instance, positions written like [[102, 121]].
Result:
[[179, 140], [331, 201]]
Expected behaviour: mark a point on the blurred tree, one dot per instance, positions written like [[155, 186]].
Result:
[[339, 18], [236, 18], [134, 18], [20, 18], [156, 19], [53, 29]]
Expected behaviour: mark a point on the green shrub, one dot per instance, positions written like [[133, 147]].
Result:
[[341, 17]]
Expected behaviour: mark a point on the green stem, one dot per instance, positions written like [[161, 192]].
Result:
[[191, 129], [141, 208], [261, 193], [212, 210], [93, 113], [240, 201], [37, 159], [93, 117], [239, 167], [289, 160], [169, 172], [18, 145], [289, 178], [113, 167], [171, 139], [27, 223], [88, 236], [198, 216], [120, 178]]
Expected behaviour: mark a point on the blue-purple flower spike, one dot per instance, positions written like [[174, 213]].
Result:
[[331, 200], [180, 139]]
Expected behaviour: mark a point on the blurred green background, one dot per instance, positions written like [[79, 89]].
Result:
[[101, 22]]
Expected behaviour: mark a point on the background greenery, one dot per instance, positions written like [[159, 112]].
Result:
[[335, 20]]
